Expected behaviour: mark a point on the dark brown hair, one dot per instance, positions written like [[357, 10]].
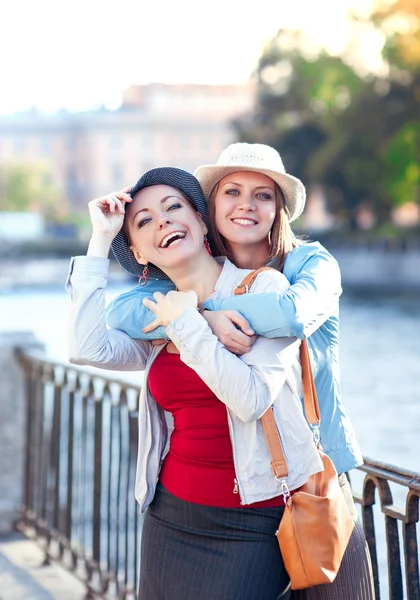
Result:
[[282, 239]]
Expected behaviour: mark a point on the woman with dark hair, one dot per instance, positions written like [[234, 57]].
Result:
[[211, 500], [239, 189]]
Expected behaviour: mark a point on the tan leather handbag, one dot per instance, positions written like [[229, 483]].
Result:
[[316, 525]]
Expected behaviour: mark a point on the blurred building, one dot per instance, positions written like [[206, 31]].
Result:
[[92, 153], [21, 226], [316, 217]]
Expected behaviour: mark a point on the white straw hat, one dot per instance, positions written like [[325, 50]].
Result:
[[259, 158]]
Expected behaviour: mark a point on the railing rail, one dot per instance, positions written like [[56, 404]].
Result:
[[378, 478], [80, 475]]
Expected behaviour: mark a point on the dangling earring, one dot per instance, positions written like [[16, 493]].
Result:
[[144, 276], [207, 245]]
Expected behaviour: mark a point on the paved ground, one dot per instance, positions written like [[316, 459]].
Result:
[[24, 577]]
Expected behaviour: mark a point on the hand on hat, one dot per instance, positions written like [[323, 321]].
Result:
[[168, 307], [107, 213]]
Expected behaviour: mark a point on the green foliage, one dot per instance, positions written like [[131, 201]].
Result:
[[358, 136], [402, 164], [400, 23], [27, 187]]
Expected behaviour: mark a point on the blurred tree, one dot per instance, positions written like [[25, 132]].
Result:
[[28, 187], [356, 133], [402, 158], [382, 150], [300, 94], [400, 23]]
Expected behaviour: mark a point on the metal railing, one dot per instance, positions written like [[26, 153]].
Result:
[[79, 484], [377, 483], [80, 473]]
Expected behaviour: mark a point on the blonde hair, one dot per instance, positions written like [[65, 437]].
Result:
[[281, 237]]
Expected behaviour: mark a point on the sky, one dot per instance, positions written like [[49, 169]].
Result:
[[81, 54]]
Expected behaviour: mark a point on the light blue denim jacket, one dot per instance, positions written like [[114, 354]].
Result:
[[308, 309]]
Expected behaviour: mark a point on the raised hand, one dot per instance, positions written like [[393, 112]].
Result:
[[107, 212], [107, 217]]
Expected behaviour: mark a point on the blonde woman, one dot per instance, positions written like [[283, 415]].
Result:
[[239, 189]]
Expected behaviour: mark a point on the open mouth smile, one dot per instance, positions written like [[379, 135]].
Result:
[[244, 222], [172, 239]]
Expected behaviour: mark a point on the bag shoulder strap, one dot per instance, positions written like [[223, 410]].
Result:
[[245, 286], [312, 412]]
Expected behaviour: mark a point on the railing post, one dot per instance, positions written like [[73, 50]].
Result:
[[378, 478], [97, 486], [12, 424]]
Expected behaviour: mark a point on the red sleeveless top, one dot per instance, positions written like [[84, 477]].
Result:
[[199, 465]]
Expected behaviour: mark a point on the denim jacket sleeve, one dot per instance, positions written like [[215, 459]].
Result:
[[128, 313], [315, 288]]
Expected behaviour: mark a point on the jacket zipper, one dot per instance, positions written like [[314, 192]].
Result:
[[145, 496], [236, 486]]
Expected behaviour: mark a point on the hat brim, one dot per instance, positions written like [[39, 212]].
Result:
[[293, 189], [176, 178]]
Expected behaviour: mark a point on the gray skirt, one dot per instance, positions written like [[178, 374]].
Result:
[[192, 552], [195, 552]]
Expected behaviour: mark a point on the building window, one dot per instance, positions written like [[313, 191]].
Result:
[[117, 176], [116, 142], [147, 141], [71, 142], [116, 148], [45, 145], [20, 144], [47, 179], [71, 182]]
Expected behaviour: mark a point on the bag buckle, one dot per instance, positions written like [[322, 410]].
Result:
[[317, 434], [244, 287], [284, 490]]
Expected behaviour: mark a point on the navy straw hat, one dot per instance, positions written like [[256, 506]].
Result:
[[177, 178]]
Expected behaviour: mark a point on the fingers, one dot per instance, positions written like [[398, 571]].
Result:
[[148, 303], [115, 204], [126, 191], [151, 327], [112, 203], [119, 199], [158, 296], [239, 343], [154, 307], [239, 321], [123, 194]]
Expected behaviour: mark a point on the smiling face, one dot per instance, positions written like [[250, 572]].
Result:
[[163, 227], [244, 208]]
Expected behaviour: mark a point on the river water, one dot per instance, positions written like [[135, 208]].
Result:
[[379, 349], [380, 364]]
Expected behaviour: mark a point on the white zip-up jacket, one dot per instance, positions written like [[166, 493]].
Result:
[[268, 377]]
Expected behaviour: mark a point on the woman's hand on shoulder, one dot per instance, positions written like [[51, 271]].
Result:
[[107, 213], [232, 330], [168, 307]]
